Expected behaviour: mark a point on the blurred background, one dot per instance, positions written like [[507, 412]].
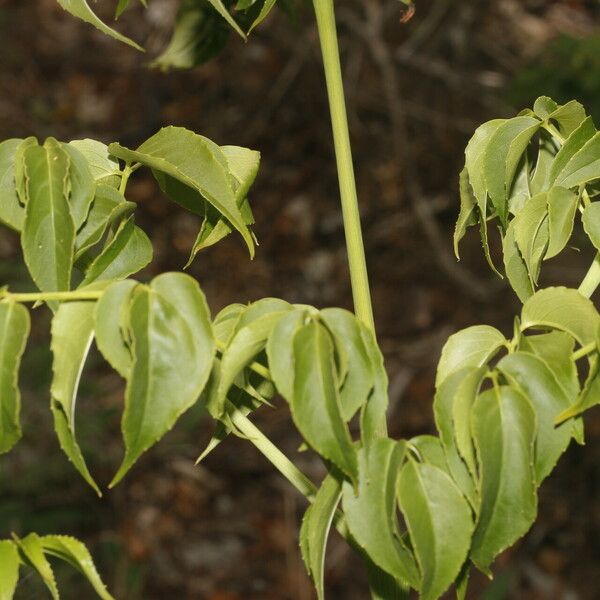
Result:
[[227, 530]]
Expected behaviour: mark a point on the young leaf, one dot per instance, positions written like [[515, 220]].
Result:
[[128, 252], [564, 309], [514, 265], [77, 555], [583, 166], [373, 417], [198, 35], [591, 223], [468, 214], [562, 206], [109, 206], [568, 117], [111, 322], [502, 155], [263, 14], [81, 184], [471, 347], [82, 10], [315, 530], [280, 351], [72, 335], [358, 383], [222, 10], [315, 404], [193, 161], [547, 396], [12, 212], [103, 167], [504, 434], [48, 235], [531, 233], [590, 394], [14, 330], [246, 344], [33, 550], [429, 449], [443, 406], [9, 569], [572, 145], [173, 349], [439, 523], [371, 514]]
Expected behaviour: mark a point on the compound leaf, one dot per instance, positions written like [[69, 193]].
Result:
[[14, 330], [9, 569], [439, 523], [314, 532], [77, 555], [173, 349], [504, 433], [371, 513], [82, 10], [315, 404], [48, 235]]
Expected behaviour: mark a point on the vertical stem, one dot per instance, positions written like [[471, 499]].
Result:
[[333, 75], [592, 278]]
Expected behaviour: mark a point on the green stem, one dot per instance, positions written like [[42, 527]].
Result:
[[47, 296], [279, 460], [592, 278], [324, 12], [584, 351]]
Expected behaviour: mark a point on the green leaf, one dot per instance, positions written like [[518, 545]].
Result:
[[48, 235], [590, 395], [371, 514], [226, 321], [81, 10], [583, 166], [9, 569], [591, 223], [466, 392], [502, 155], [81, 184], [548, 398], [564, 309], [198, 35], [468, 214], [383, 586], [544, 106], [280, 352], [572, 145], [314, 532], [222, 10], [471, 347], [14, 331], [243, 165], [562, 205], [531, 233], [103, 167], [111, 323], [446, 397], [315, 404], [347, 337], [109, 207], [514, 265], [72, 335], [429, 449], [20, 179], [77, 555], [568, 117], [173, 349], [244, 347], [439, 523], [12, 213], [33, 550], [128, 252], [195, 162], [474, 157], [373, 418], [504, 434], [262, 15], [540, 179]]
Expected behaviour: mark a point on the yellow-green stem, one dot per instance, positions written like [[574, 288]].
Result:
[[325, 14]]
